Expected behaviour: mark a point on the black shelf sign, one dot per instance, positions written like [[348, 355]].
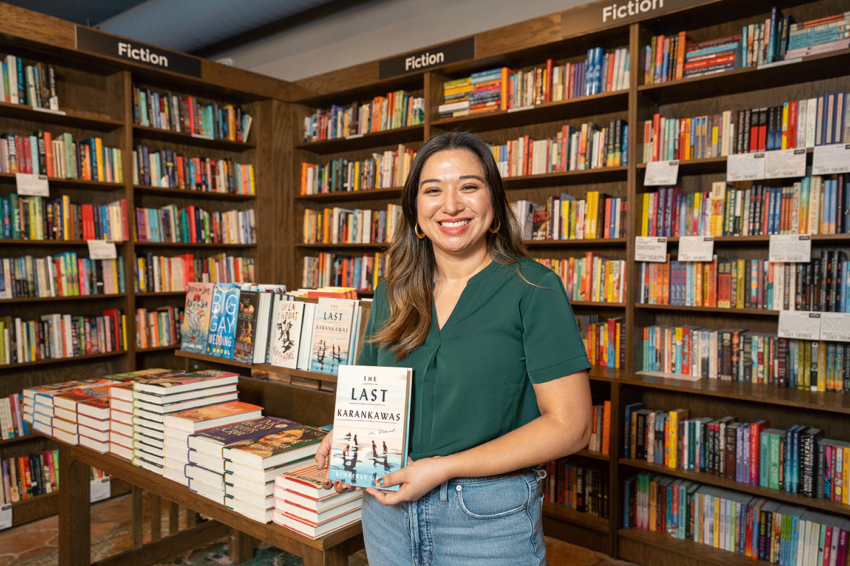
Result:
[[439, 56], [101, 43]]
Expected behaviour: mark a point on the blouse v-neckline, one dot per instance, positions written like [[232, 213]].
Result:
[[435, 322]]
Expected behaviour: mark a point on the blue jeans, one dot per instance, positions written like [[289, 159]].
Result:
[[493, 521]]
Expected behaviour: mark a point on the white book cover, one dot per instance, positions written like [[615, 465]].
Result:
[[332, 335], [371, 419], [286, 333]]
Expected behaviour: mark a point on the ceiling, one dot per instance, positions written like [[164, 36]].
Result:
[[84, 12]]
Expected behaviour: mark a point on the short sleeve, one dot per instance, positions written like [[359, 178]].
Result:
[[551, 337]]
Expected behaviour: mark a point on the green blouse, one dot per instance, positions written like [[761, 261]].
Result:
[[472, 380]]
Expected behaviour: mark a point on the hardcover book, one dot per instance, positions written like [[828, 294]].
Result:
[[223, 314], [196, 318], [246, 327], [332, 335], [187, 382], [286, 333], [276, 448], [212, 415], [212, 440], [371, 421]]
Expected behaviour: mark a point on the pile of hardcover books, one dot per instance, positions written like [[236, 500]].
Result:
[[303, 505]]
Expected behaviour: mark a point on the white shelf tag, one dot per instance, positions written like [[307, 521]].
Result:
[[51, 110], [835, 326], [354, 136], [785, 163], [520, 109], [696, 248], [802, 325], [5, 516], [202, 137], [651, 249], [98, 249], [830, 159], [745, 167], [32, 185], [661, 173], [100, 489], [790, 248]]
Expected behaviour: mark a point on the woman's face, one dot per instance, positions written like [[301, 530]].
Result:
[[454, 208]]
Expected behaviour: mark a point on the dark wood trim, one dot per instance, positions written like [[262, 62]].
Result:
[[53, 299], [162, 548], [564, 513], [184, 193]]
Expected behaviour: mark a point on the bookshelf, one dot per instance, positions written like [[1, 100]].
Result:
[[95, 94], [528, 44]]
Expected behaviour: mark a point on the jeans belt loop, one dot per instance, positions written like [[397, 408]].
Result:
[[444, 492]]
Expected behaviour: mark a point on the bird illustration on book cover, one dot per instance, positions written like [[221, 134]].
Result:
[[246, 324], [332, 336], [196, 318]]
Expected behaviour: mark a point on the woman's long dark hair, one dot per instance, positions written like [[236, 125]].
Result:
[[410, 261]]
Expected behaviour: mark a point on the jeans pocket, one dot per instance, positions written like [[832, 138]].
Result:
[[491, 500]]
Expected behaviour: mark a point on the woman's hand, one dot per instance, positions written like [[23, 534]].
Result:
[[323, 458], [416, 479]]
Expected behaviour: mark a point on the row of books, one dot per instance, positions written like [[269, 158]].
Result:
[[564, 217], [168, 169], [812, 205], [821, 285], [798, 460], [335, 270], [12, 423], [579, 484], [605, 341], [572, 149], [351, 226], [33, 85], [35, 218], [591, 278], [600, 430], [187, 114], [158, 327], [62, 275], [61, 157], [755, 527], [739, 355], [820, 35], [57, 336], [381, 171], [676, 57], [807, 123], [25, 477], [160, 274], [398, 109], [192, 224]]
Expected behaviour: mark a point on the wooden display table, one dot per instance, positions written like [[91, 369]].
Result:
[[75, 519]]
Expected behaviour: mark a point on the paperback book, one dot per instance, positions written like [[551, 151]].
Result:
[[196, 318], [246, 327], [212, 440], [287, 333], [276, 448], [223, 313], [220, 414], [332, 334]]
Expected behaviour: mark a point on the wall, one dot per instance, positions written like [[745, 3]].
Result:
[[379, 29]]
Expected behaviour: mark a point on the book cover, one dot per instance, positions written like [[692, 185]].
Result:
[[186, 382], [232, 433], [223, 314], [286, 329], [212, 415], [246, 326], [196, 318], [276, 448], [332, 334], [371, 420]]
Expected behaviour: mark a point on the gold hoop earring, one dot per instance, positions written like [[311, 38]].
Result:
[[492, 230], [419, 235]]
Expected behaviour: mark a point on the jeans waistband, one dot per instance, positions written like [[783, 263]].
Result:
[[520, 472]]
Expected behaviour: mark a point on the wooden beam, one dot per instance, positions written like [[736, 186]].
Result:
[[169, 546]]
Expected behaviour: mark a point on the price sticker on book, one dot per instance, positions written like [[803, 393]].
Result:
[[745, 167], [790, 248], [835, 326], [802, 325], [651, 249], [785, 163], [830, 159], [32, 185], [661, 173], [696, 248], [100, 489], [98, 249], [5, 516]]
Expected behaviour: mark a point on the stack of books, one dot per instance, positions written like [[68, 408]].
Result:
[[121, 421], [154, 399], [178, 428], [487, 90], [456, 94], [303, 505], [818, 36], [257, 461]]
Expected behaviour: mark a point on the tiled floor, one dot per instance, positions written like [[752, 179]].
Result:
[[35, 544]]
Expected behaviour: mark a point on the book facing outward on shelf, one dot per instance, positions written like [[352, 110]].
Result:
[[371, 421], [223, 317], [196, 318], [332, 334]]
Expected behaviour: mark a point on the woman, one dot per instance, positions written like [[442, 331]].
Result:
[[500, 372]]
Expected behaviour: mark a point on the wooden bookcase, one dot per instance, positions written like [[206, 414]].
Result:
[[530, 43], [96, 94]]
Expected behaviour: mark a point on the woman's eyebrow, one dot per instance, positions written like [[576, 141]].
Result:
[[462, 177]]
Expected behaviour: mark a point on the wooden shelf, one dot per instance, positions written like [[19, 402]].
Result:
[[19, 439], [595, 242], [49, 243], [601, 175], [598, 305], [369, 246], [342, 196], [570, 515], [157, 349], [749, 240], [409, 134], [162, 294], [183, 193], [149, 133], [601, 373], [61, 360], [191, 245], [47, 504], [710, 479], [705, 165], [264, 367], [756, 312], [71, 119], [72, 183], [593, 454], [824, 401], [691, 551], [55, 299], [549, 112]]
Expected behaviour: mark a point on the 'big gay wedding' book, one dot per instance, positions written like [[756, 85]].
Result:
[[371, 422]]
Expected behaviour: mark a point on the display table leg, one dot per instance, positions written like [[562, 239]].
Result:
[[241, 547], [74, 510]]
